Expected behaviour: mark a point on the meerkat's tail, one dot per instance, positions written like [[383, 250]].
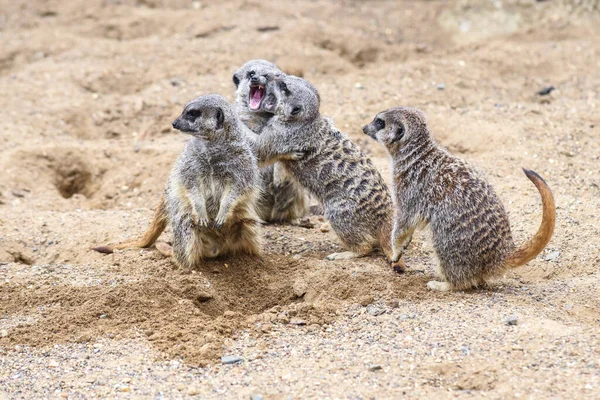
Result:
[[157, 226], [536, 244]]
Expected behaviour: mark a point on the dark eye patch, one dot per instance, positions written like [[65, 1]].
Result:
[[283, 87], [379, 124], [191, 115], [296, 110], [250, 74]]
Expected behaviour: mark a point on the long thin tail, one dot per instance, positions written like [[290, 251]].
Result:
[[157, 226], [536, 244]]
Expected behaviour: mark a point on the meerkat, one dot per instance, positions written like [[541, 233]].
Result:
[[211, 193], [283, 199], [355, 198], [470, 227]]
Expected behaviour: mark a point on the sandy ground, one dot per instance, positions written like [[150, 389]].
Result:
[[88, 90]]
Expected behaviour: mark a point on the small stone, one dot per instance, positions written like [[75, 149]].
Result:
[[545, 91], [229, 313], [299, 288], [230, 359], [375, 311], [53, 364], [375, 367], [256, 397], [512, 320], [125, 389], [365, 300], [18, 193], [441, 86], [465, 350], [192, 391], [394, 304], [306, 223], [298, 322], [324, 228], [552, 256], [3, 333], [126, 380], [569, 306]]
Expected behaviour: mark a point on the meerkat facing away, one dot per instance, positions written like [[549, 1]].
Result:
[[283, 199], [471, 232], [210, 196], [355, 198]]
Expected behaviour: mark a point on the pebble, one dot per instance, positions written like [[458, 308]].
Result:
[[552, 256], [256, 397], [545, 91], [375, 311], [441, 86], [298, 322], [3, 333], [512, 320], [125, 389], [230, 359], [375, 367], [53, 364], [192, 390]]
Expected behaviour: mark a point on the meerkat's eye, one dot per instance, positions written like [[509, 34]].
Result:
[[191, 115], [379, 124], [250, 74], [296, 110]]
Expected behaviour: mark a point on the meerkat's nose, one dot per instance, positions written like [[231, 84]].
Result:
[[254, 79], [365, 129]]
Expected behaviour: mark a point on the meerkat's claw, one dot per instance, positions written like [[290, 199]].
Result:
[[203, 223], [218, 224], [398, 266], [439, 286], [298, 155]]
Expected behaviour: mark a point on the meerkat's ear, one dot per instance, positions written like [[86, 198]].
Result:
[[236, 80], [398, 132], [220, 119]]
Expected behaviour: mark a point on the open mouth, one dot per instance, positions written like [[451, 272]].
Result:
[[256, 95]]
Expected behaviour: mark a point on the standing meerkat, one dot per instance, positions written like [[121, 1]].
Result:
[[283, 199], [211, 193], [471, 232], [355, 198]]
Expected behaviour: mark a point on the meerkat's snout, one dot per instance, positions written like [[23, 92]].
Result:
[[178, 124]]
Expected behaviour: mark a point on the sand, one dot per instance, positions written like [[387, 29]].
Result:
[[88, 91]]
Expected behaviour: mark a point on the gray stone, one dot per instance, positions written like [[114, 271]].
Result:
[[512, 320], [230, 359]]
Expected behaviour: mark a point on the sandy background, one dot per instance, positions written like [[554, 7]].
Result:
[[88, 90]]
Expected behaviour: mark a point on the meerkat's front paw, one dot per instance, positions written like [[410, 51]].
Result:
[[202, 222], [297, 155], [219, 222], [439, 286]]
